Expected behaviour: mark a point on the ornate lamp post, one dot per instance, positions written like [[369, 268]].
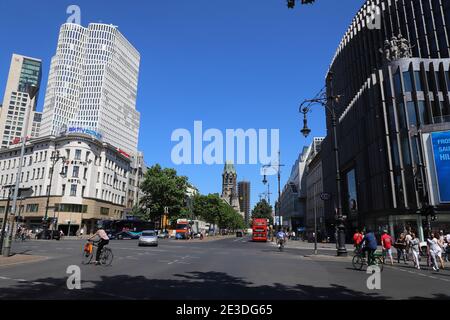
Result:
[[54, 159], [329, 103]]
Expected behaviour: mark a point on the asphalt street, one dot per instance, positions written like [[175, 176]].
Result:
[[232, 268]]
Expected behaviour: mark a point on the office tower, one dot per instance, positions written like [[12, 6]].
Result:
[[244, 199], [92, 86], [17, 113]]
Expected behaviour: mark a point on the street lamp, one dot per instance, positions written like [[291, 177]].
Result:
[[278, 166], [329, 103], [54, 159]]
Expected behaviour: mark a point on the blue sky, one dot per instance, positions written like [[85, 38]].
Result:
[[231, 64]]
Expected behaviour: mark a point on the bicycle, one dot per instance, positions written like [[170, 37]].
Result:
[[280, 244], [106, 256], [359, 260]]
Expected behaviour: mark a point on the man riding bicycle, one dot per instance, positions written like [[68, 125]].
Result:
[[104, 240], [370, 245], [281, 237]]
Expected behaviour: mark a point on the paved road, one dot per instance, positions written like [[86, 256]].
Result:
[[225, 269]]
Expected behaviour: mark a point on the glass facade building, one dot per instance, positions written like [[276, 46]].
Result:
[[390, 104]]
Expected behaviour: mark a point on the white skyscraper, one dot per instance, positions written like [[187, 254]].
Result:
[[92, 86]]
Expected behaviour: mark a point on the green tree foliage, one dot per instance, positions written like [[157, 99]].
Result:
[[163, 188], [263, 210], [214, 210]]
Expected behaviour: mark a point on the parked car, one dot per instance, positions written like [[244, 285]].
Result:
[[148, 238], [48, 235], [126, 235], [163, 235]]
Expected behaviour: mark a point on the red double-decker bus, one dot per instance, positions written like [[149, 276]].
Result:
[[259, 230]]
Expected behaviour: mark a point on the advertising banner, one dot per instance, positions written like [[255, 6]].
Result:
[[441, 153]]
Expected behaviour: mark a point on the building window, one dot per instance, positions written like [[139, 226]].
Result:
[[73, 190], [63, 190], [418, 80], [76, 171], [407, 81], [77, 154], [412, 118], [83, 189], [104, 211], [32, 208]]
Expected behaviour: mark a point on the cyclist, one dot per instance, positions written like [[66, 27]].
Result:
[[104, 240], [370, 245], [281, 237]]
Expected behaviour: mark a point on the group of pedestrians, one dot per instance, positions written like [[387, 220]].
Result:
[[408, 247]]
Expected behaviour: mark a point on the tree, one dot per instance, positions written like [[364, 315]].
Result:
[[163, 188], [208, 208], [263, 210], [215, 210]]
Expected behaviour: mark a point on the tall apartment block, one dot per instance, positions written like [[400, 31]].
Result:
[[244, 199], [92, 86], [17, 114]]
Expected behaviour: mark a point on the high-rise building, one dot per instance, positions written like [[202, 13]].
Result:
[[392, 71], [92, 86], [17, 113], [244, 199]]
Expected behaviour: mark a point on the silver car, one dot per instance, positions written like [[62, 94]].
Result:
[[148, 238]]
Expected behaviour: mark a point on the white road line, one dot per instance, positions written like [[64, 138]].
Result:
[[4, 278]]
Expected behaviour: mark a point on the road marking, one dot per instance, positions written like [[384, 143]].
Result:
[[4, 278]]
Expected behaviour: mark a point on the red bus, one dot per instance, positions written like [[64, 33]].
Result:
[[259, 230]]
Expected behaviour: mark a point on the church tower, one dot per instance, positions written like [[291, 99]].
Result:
[[229, 186]]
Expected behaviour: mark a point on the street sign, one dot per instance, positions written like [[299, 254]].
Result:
[[325, 196]]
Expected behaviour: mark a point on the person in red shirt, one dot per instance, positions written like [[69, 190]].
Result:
[[357, 239], [386, 243]]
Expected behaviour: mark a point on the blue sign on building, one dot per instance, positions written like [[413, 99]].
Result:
[[441, 152]]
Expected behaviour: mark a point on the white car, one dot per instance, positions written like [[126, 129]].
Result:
[[148, 238]]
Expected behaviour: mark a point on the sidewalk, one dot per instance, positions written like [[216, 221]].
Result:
[[19, 259]]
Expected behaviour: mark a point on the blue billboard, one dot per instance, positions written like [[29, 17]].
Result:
[[441, 152]]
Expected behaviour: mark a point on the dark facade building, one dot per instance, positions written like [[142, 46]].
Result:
[[244, 199], [394, 79]]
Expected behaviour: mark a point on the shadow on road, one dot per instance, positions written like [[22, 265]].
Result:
[[189, 286]]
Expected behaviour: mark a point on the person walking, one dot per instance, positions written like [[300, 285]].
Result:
[[386, 243], [415, 250], [400, 246], [441, 244], [408, 239], [433, 249]]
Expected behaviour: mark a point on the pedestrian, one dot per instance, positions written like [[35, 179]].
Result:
[[408, 239], [400, 246], [357, 239], [441, 244], [414, 243], [81, 232], [293, 235], [433, 249], [386, 243]]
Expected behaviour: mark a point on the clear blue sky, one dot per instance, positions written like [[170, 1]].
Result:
[[232, 64]]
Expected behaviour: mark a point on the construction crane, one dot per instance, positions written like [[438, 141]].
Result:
[[291, 3]]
